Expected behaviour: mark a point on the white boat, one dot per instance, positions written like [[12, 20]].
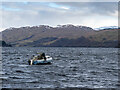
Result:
[[41, 61]]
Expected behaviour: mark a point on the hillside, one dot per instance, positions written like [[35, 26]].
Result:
[[62, 35]]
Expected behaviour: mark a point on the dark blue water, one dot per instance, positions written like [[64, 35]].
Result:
[[71, 67]]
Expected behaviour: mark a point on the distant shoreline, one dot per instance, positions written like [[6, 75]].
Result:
[[65, 47]]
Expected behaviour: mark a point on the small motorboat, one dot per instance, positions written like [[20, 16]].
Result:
[[35, 61]]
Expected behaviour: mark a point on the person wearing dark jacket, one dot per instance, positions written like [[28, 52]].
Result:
[[43, 56]]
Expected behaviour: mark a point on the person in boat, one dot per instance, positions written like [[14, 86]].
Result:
[[42, 56]]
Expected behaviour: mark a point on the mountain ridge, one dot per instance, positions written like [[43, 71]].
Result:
[[107, 27], [66, 35]]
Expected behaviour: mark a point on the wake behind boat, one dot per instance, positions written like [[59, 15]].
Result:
[[40, 60]]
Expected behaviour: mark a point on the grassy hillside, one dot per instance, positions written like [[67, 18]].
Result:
[[105, 35], [67, 35]]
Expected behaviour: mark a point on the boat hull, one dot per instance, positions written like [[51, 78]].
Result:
[[41, 63]]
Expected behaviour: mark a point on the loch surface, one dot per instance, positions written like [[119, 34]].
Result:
[[71, 67]]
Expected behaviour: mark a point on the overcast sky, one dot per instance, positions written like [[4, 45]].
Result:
[[92, 14]]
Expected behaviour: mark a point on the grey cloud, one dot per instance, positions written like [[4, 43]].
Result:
[[39, 13], [105, 8]]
